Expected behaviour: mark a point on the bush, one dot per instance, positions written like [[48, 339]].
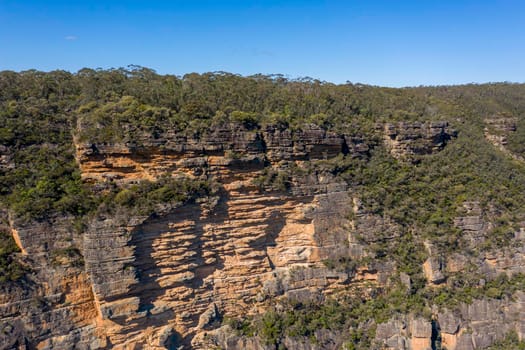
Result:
[[10, 269], [147, 197], [511, 341], [248, 119], [67, 256]]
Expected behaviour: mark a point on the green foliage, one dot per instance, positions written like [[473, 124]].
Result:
[[345, 316], [501, 235], [124, 120], [39, 113], [69, 256], [424, 198], [321, 119], [10, 268], [511, 341], [249, 119], [38, 141], [47, 181], [342, 264], [273, 180], [242, 327], [464, 288], [348, 314], [271, 327], [147, 197]]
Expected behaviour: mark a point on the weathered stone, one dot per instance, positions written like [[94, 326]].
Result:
[[159, 282], [434, 268], [497, 130], [406, 280], [209, 316], [449, 323], [409, 140], [420, 328]]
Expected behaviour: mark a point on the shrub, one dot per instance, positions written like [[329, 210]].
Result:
[[10, 269]]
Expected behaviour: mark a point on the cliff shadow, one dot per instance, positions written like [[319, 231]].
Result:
[[275, 223], [207, 265], [170, 253]]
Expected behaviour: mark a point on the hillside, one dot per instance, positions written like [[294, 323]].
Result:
[[214, 211]]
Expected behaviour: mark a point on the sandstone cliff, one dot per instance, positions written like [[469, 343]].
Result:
[[165, 280], [152, 280], [248, 232]]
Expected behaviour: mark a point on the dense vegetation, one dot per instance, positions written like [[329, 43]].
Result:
[[511, 341], [10, 269], [149, 197], [41, 113], [356, 317]]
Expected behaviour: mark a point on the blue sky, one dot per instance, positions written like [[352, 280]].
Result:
[[388, 42]]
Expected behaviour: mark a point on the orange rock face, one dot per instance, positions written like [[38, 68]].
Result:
[[173, 274]]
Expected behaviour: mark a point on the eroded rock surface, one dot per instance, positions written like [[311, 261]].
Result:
[[408, 140], [167, 280], [497, 130], [158, 281]]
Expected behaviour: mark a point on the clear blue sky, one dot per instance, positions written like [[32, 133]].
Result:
[[382, 42]]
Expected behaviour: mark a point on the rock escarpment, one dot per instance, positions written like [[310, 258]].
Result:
[[156, 281], [230, 146], [227, 253], [271, 231], [497, 131], [409, 140], [54, 307], [476, 227], [471, 326], [474, 326]]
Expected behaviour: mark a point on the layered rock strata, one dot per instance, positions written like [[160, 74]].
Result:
[[166, 280], [409, 140], [156, 282], [166, 272], [497, 131], [53, 308]]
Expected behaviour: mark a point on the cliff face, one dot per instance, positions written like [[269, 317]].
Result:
[[179, 272], [156, 281], [53, 308], [498, 129], [407, 140], [268, 233]]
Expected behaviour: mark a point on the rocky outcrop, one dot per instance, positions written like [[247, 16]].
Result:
[[177, 273], [434, 266], [409, 140], [502, 124], [168, 270], [471, 326], [497, 130], [158, 281], [54, 307], [472, 223], [225, 338], [399, 334], [480, 324], [230, 146], [168, 279], [476, 229]]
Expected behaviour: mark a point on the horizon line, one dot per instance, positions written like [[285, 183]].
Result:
[[287, 77]]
